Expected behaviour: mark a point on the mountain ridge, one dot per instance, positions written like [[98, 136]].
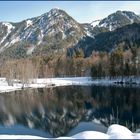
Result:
[[56, 31]]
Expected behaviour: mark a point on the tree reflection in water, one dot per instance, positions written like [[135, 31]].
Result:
[[58, 110]]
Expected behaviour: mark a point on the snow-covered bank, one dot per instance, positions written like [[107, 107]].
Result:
[[44, 82], [114, 132], [49, 82]]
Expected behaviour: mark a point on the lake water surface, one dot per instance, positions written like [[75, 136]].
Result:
[[59, 111]]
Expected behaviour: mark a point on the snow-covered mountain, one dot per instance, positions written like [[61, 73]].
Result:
[[55, 31], [119, 19], [51, 27], [111, 22]]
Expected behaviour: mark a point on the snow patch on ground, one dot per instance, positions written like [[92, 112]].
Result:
[[29, 23], [30, 50], [103, 25], [40, 37], [15, 40], [95, 23], [89, 33], [67, 81], [9, 29], [8, 25]]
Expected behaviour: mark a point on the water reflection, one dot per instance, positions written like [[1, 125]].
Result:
[[58, 110]]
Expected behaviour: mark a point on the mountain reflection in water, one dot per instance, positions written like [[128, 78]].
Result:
[[58, 110]]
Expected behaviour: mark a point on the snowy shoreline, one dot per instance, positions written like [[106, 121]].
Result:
[[115, 131], [66, 81]]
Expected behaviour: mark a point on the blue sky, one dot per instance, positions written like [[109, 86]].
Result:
[[82, 11]]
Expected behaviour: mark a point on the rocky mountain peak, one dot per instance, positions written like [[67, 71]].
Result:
[[119, 19]]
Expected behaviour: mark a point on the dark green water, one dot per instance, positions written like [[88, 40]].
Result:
[[58, 110]]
